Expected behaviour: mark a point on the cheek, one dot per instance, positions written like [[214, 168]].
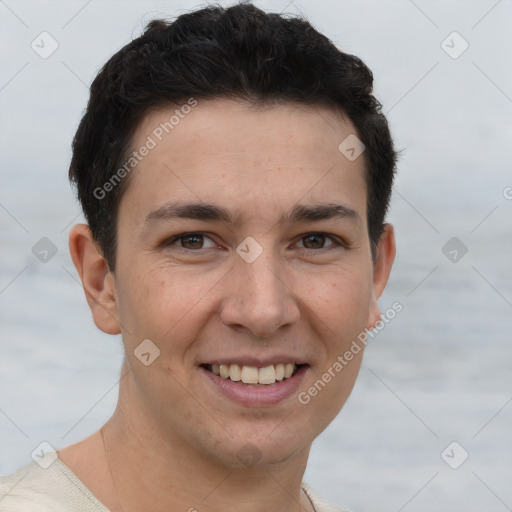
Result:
[[340, 308], [139, 298], [162, 304], [340, 300]]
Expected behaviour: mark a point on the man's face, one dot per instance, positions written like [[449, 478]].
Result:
[[285, 277]]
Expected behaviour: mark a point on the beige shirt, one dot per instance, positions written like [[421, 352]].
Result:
[[58, 489]]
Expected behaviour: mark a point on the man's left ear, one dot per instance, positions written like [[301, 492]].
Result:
[[381, 269]]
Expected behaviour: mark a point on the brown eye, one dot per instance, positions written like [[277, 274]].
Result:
[[314, 241], [192, 241]]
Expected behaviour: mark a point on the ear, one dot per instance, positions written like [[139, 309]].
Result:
[[386, 250], [97, 280]]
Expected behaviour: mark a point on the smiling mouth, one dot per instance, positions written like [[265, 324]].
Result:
[[253, 375]]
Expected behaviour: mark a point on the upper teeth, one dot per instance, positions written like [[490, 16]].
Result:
[[253, 374]]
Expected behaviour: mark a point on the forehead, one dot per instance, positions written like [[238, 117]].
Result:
[[257, 159]]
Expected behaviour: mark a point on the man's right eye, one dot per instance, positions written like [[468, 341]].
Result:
[[190, 241]]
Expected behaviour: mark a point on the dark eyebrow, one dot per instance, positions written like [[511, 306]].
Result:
[[203, 211], [320, 212], [199, 211]]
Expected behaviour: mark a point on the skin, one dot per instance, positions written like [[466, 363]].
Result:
[[173, 440]]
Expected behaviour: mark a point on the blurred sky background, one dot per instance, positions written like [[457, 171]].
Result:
[[439, 372]]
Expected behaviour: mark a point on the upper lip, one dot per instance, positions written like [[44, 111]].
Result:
[[259, 362]]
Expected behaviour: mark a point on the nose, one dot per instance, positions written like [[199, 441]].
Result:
[[258, 298]]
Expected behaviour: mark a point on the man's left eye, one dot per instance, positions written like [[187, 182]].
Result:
[[317, 241]]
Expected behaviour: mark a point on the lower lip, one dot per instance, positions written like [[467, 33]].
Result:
[[257, 396]]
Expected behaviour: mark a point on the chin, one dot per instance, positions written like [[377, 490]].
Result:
[[251, 449]]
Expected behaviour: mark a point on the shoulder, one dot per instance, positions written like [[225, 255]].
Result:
[[320, 504], [54, 489]]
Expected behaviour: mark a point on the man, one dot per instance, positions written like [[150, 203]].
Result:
[[235, 172]]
